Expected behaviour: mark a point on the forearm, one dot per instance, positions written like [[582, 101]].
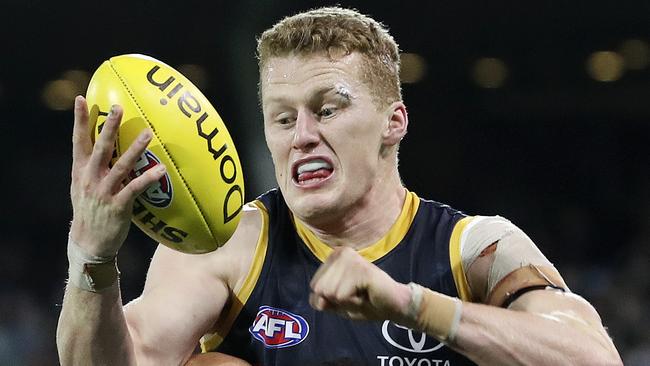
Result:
[[92, 329], [543, 328], [495, 336]]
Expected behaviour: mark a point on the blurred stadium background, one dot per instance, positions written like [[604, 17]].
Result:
[[539, 112]]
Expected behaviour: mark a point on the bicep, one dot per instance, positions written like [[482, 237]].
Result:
[[566, 308], [184, 294], [501, 261], [180, 301]]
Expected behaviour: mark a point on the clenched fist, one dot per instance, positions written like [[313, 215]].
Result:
[[351, 286]]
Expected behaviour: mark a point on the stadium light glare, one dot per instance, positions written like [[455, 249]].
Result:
[[636, 54], [413, 68], [59, 94], [489, 72], [79, 78], [605, 66]]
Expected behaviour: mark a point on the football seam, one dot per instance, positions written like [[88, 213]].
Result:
[[128, 90]]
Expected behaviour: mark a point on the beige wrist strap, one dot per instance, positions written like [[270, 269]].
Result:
[[90, 272], [436, 314]]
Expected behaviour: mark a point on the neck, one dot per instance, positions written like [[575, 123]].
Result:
[[367, 220]]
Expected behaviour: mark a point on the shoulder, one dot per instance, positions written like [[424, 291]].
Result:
[[233, 260], [436, 213], [227, 264], [499, 259], [436, 205]]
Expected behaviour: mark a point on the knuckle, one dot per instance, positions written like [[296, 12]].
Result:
[[101, 145], [340, 297], [86, 187], [330, 294]]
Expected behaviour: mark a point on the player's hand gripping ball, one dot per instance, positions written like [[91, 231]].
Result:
[[195, 207]]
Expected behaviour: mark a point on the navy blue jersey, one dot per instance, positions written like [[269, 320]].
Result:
[[270, 322]]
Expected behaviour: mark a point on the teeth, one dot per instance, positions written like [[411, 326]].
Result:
[[313, 165]]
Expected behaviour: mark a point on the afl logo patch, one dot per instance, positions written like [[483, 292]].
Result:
[[277, 328], [408, 340], [160, 193]]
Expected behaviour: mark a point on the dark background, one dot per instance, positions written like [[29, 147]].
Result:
[[563, 155]]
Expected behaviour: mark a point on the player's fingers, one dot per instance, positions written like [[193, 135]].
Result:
[[105, 143], [324, 282], [320, 303], [81, 144], [349, 290], [324, 268], [355, 304], [139, 184], [125, 163]]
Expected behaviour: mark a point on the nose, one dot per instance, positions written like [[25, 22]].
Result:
[[306, 132]]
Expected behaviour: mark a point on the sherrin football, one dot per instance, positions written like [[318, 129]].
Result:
[[196, 206]]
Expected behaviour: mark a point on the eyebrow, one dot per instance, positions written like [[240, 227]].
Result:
[[337, 90]]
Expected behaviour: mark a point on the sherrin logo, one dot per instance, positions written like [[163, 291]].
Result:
[[277, 328], [159, 193]]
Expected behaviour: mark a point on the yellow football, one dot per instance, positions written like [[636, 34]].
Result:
[[196, 206]]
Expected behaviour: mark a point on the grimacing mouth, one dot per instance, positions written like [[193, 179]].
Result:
[[316, 162]]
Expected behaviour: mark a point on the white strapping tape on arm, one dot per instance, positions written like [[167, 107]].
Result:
[[90, 272], [514, 249]]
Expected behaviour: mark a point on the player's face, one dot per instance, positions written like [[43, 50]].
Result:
[[324, 132]]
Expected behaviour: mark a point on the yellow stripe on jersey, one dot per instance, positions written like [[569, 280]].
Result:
[[456, 261], [210, 341], [375, 251]]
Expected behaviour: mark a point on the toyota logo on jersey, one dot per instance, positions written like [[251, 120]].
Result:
[[158, 193], [407, 339], [277, 328]]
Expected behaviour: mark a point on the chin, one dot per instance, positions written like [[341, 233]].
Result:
[[313, 206]]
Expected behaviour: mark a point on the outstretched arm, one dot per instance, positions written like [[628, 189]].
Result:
[[91, 326], [161, 327], [539, 328], [542, 327]]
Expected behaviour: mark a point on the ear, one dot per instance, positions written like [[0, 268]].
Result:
[[397, 124]]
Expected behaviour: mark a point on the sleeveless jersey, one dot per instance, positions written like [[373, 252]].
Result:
[[270, 322]]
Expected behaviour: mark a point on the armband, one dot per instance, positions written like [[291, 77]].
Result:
[[524, 279]]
